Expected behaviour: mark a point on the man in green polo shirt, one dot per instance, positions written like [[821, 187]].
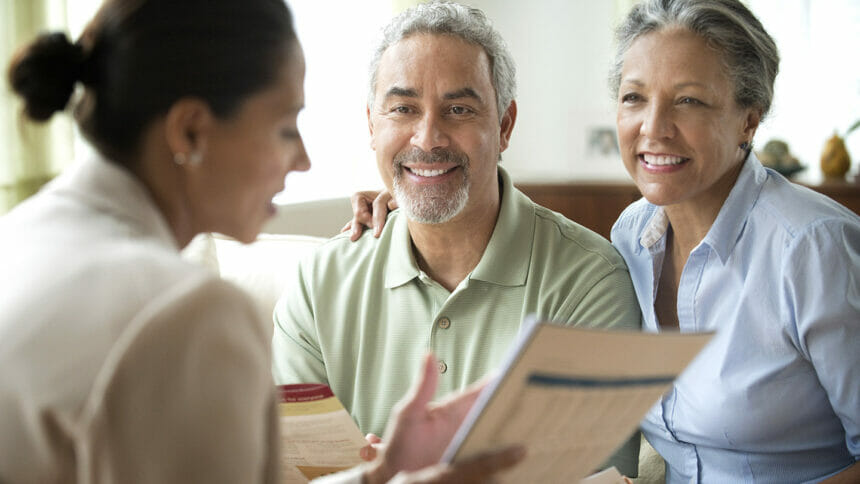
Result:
[[465, 258]]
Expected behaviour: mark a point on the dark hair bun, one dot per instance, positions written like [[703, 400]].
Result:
[[44, 74]]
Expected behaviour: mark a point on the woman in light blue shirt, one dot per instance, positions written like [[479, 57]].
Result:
[[720, 243]]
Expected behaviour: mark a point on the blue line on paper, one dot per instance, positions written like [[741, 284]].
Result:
[[583, 382]]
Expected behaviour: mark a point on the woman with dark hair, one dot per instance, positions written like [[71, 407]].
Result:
[[120, 362]]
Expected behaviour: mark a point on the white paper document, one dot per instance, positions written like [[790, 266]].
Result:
[[572, 396], [318, 436], [606, 476]]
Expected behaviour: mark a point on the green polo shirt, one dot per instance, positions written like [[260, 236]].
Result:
[[359, 316]]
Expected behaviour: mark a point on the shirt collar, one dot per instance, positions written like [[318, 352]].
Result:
[[733, 216], [110, 188], [731, 219], [400, 266], [511, 242], [508, 254], [655, 229]]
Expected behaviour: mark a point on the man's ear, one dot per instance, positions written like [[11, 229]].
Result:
[[187, 126], [507, 126], [370, 129]]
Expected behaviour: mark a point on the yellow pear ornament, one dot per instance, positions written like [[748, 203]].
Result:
[[835, 161]]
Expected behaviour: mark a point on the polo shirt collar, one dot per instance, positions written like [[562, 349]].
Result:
[[505, 260], [508, 254], [401, 266]]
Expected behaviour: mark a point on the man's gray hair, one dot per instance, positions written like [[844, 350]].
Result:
[[467, 23], [749, 53]]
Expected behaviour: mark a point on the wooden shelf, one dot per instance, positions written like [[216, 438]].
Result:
[[597, 205], [843, 191]]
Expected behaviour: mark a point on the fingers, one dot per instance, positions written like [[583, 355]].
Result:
[[357, 229], [369, 209], [360, 203], [425, 388], [483, 467], [366, 213], [374, 447], [380, 211], [361, 213], [373, 439], [418, 397], [367, 453], [478, 469], [457, 405]]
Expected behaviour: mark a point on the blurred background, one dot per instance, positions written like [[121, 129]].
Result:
[[563, 50]]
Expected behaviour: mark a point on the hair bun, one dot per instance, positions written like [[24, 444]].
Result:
[[44, 74]]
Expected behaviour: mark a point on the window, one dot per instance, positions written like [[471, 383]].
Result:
[[338, 42], [818, 86], [337, 38]]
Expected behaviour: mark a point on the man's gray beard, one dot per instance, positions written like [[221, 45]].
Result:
[[431, 204]]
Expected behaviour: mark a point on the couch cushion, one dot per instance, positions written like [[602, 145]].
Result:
[[260, 268]]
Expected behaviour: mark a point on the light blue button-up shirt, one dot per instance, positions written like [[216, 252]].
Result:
[[775, 397]]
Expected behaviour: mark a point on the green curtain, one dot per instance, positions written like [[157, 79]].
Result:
[[30, 154]]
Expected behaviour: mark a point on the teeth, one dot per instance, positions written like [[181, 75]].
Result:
[[429, 172], [662, 160]]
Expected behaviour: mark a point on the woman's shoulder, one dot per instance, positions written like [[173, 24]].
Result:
[[632, 221], [798, 209], [178, 302], [140, 281]]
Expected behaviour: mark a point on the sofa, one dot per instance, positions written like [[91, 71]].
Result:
[[262, 268]]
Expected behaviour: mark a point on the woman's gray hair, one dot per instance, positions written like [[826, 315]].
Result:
[[749, 53], [467, 23]]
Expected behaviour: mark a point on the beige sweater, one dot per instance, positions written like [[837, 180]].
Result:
[[120, 362]]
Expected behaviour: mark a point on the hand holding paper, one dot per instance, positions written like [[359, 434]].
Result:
[[419, 432]]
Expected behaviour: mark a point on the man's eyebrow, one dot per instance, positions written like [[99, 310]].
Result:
[[401, 92], [461, 93]]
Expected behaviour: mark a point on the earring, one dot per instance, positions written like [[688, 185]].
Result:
[[744, 146], [194, 159]]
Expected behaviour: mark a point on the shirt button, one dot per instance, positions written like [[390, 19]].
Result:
[[444, 323], [442, 367]]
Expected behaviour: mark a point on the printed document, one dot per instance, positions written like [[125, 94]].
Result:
[[572, 396], [318, 436]]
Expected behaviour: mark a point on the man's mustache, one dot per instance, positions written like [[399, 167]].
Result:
[[438, 155]]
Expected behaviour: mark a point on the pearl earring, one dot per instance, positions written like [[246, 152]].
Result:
[[194, 159]]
